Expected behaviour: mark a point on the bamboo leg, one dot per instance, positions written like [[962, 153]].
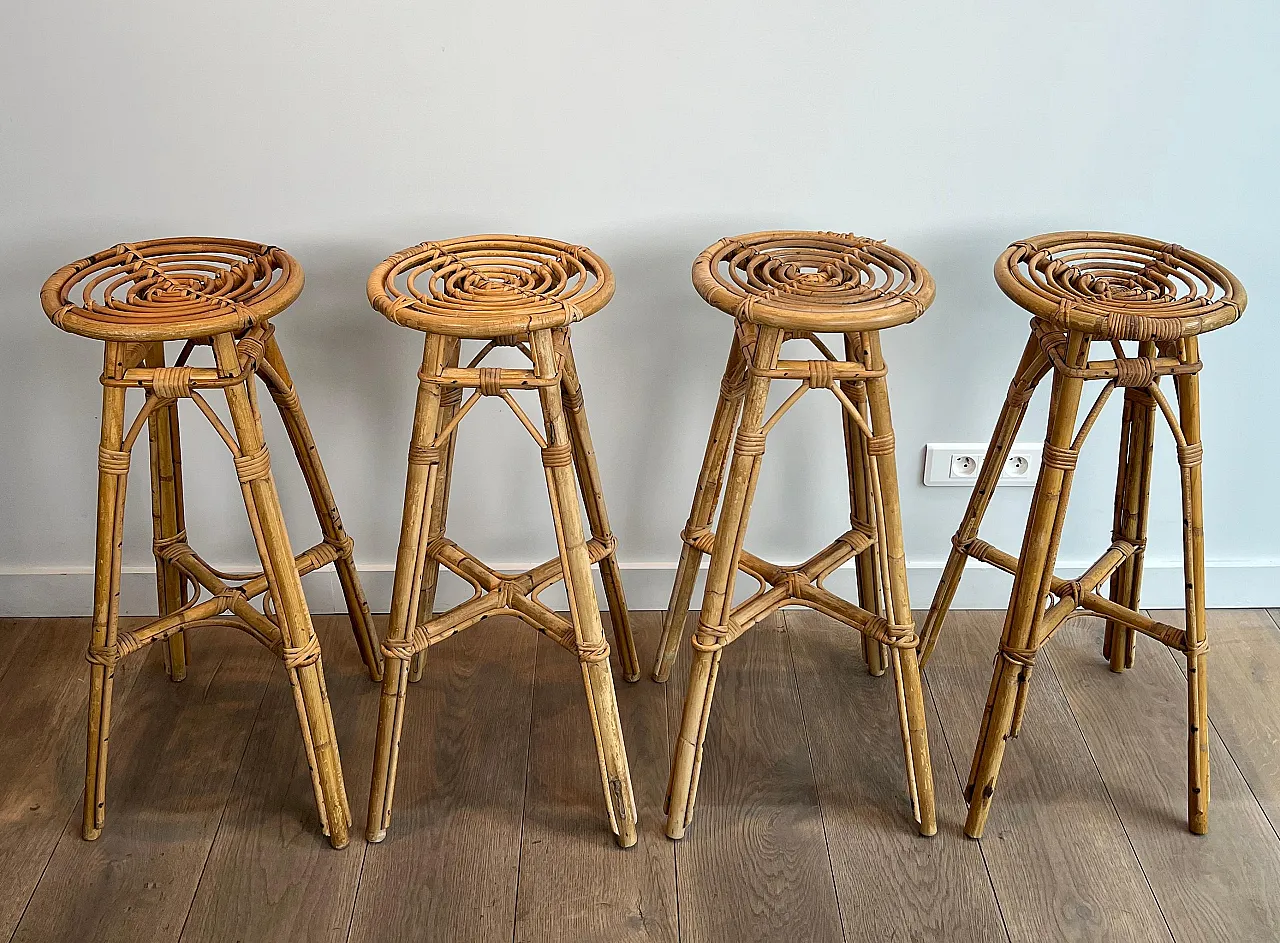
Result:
[[449, 401], [1133, 487], [113, 466], [420, 483], [588, 472], [304, 446], [744, 470], [168, 520], [1189, 458], [705, 497], [1030, 588], [584, 609], [302, 651], [1031, 370], [858, 464], [883, 478]]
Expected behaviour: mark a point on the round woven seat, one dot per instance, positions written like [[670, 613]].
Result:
[[813, 281], [490, 286], [1116, 286], [171, 289]]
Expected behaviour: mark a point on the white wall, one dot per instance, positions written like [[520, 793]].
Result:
[[645, 130]]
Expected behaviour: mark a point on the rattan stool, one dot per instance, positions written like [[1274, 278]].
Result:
[[781, 286], [1082, 287], [220, 293], [520, 292]]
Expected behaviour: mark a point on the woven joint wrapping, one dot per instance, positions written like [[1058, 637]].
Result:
[[1073, 590], [172, 382], [104, 655], [1022, 657], [251, 347], [748, 443], [557, 456], [253, 465], [424, 455], [718, 634], [169, 549], [111, 462], [307, 654], [881, 444], [1135, 372], [287, 399], [973, 547], [573, 401], [1019, 395], [1142, 327], [405, 648], [490, 381], [590, 655], [1189, 455], [1055, 457], [450, 397], [733, 390], [821, 374]]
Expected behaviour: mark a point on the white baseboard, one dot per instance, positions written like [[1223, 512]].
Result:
[[68, 591]]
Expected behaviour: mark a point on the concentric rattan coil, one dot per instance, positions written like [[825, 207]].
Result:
[[490, 286], [171, 289], [1117, 286], [813, 281]]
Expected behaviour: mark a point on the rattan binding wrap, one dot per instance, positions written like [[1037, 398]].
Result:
[[1117, 286], [806, 281], [490, 286], [171, 289]]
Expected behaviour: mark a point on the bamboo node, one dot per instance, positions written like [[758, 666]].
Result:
[[104, 655], [172, 382], [557, 456], [1054, 457], [748, 443], [253, 466], [424, 455], [1190, 454], [881, 444], [306, 654], [112, 462]]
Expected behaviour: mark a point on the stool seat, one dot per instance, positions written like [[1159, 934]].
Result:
[[812, 281], [171, 289], [1115, 286], [490, 286]]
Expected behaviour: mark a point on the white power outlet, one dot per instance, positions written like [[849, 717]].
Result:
[[956, 465]]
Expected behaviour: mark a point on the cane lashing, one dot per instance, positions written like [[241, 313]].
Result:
[[813, 281], [171, 289], [490, 286], [1113, 285]]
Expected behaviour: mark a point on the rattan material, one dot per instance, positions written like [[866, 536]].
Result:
[[490, 286], [813, 281], [171, 289], [145, 293], [783, 287], [522, 293], [1080, 288], [1113, 285]]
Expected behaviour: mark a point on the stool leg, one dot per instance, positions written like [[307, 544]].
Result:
[[168, 520], [302, 653], [1188, 388], [449, 401], [112, 476], [705, 498], [584, 609], [858, 464], [883, 478], [1031, 370], [717, 603], [588, 471], [1133, 489], [420, 483], [285, 395], [1030, 588]]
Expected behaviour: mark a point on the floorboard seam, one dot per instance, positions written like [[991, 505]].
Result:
[[817, 791], [1107, 791]]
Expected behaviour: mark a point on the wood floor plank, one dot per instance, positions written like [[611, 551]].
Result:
[[1061, 864], [448, 867], [852, 723], [271, 874], [1216, 887], [754, 863], [175, 749], [44, 689], [575, 883]]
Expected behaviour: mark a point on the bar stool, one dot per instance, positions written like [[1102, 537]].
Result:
[[1082, 287], [783, 286], [219, 293], [520, 292]]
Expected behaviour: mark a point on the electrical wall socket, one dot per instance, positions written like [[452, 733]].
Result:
[[956, 465]]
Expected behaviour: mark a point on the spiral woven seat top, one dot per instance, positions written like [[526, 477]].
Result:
[[490, 286], [813, 281], [1116, 286], [171, 289]]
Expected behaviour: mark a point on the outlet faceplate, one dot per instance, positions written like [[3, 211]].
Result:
[[956, 465]]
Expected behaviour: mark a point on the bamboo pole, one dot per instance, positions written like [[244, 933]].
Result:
[[857, 463]]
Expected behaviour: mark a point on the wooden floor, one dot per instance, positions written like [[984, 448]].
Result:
[[802, 831]]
